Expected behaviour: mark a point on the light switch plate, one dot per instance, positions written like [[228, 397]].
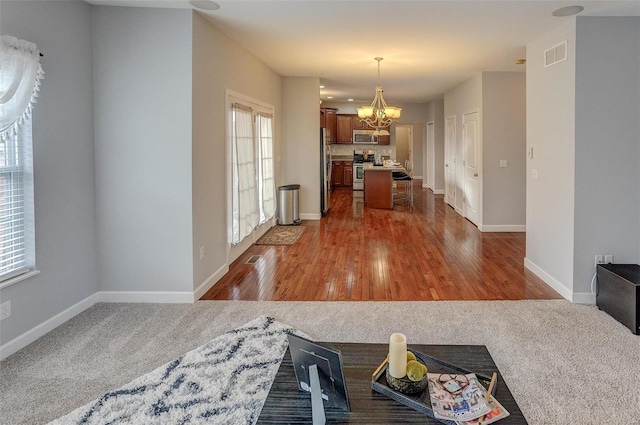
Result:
[[534, 174], [503, 163]]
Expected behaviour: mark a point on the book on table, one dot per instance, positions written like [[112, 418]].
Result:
[[461, 398]]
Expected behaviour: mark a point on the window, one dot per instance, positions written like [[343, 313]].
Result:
[[20, 79], [252, 174], [16, 203]]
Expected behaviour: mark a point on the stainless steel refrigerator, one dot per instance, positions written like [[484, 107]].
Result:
[[325, 172]]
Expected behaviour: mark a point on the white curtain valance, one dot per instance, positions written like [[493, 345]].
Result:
[[20, 75]]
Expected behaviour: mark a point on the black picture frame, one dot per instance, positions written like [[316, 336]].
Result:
[[305, 353]]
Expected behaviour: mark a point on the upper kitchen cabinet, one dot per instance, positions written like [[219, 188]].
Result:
[[384, 140], [344, 132], [328, 120], [358, 124]]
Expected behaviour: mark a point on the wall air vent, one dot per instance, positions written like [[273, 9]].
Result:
[[555, 54]]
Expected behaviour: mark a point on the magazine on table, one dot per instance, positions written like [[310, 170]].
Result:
[[457, 398], [497, 412]]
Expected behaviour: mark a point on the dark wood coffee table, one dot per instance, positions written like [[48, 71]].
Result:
[[286, 405]]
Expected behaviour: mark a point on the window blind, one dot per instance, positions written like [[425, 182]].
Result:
[[13, 258]]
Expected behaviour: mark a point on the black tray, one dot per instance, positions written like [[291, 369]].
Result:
[[421, 401]]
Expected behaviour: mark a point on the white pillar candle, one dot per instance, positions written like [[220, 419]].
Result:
[[398, 355]]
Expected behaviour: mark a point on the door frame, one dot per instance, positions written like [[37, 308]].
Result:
[[450, 147], [235, 251], [429, 162], [410, 141], [478, 168]]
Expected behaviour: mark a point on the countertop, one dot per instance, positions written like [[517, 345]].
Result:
[[342, 158], [370, 167]]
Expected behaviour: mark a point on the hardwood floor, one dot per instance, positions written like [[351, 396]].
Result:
[[359, 254]]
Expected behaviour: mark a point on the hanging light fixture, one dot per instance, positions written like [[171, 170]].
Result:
[[379, 115]]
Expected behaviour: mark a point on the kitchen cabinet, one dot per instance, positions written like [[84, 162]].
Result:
[[384, 140], [337, 173], [344, 131], [328, 120], [342, 173], [348, 174], [359, 125]]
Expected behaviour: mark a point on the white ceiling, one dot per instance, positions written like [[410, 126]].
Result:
[[428, 47]]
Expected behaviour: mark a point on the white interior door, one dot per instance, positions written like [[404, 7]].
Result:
[[450, 161], [431, 157], [471, 142]]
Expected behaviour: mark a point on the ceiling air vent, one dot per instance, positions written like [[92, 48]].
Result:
[[555, 54]]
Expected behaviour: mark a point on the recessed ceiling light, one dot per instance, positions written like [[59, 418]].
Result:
[[520, 61], [329, 97], [204, 4], [321, 87], [350, 100], [567, 11]]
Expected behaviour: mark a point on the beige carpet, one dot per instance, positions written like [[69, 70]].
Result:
[[564, 363], [281, 235]]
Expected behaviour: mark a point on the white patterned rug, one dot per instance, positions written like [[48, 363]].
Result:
[[225, 381]]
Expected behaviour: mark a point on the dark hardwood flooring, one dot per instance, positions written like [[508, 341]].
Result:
[[361, 254]]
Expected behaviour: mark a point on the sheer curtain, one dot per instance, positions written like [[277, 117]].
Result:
[[266, 177], [19, 82], [245, 200]]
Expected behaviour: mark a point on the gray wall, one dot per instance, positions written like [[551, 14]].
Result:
[[504, 138], [301, 141], [142, 88], [64, 161], [220, 63], [607, 195], [551, 134]]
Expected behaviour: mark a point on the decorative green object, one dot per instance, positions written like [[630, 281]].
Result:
[[410, 356], [415, 370]]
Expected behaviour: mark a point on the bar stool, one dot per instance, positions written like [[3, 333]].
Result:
[[403, 186]]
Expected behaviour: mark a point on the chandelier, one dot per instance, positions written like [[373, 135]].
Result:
[[379, 115]]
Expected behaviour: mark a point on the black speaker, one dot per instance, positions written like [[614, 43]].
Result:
[[619, 293]]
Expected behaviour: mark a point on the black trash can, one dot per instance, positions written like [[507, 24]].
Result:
[[289, 204]]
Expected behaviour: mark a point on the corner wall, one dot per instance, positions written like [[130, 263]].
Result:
[[551, 108]]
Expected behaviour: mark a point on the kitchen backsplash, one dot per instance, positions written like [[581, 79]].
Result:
[[348, 149]]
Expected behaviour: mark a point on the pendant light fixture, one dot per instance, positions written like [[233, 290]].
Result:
[[379, 115]]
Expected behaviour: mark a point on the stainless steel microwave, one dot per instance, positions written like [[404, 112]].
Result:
[[364, 137]]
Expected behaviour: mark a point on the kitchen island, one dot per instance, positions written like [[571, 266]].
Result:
[[378, 185]]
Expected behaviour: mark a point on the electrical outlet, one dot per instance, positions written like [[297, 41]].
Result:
[[202, 253], [608, 259], [5, 310], [599, 259]]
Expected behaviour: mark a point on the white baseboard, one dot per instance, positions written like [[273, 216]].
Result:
[[310, 216], [417, 177], [584, 298], [504, 228], [48, 325], [438, 192], [549, 280], [159, 297], [211, 280], [45, 327]]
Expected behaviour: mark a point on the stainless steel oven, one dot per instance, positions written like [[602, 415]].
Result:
[[358, 176]]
